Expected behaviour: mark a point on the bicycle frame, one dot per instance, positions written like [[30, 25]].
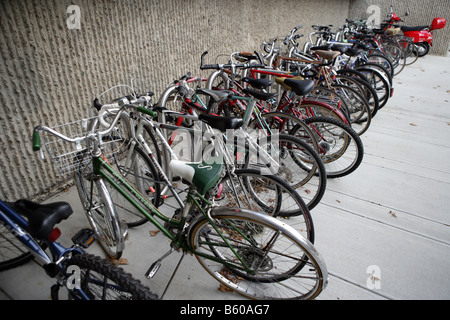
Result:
[[151, 213]]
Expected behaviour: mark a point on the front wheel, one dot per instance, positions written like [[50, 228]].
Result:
[[341, 148], [101, 213], [257, 255], [94, 278]]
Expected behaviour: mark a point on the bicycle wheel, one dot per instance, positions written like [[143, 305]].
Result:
[[368, 91], [297, 164], [364, 88], [381, 70], [358, 107], [12, 252], [283, 123], [218, 80], [340, 109], [382, 60], [101, 280], [379, 82], [395, 53], [100, 211], [341, 148], [139, 171], [257, 255], [269, 194], [409, 50], [134, 166]]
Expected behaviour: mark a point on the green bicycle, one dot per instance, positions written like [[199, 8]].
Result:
[[254, 254]]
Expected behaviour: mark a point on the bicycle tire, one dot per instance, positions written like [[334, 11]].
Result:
[[379, 82], [12, 252], [338, 142], [382, 60], [288, 267], [331, 97], [100, 211], [359, 109], [144, 176], [283, 123], [395, 54], [102, 280], [268, 194], [298, 165], [369, 91], [381, 70]]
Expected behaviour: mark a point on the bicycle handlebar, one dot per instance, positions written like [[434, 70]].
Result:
[[137, 105], [231, 65]]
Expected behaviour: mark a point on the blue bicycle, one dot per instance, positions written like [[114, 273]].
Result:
[[27, 231]]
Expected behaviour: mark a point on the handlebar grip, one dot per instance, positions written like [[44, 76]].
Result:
[[209, 66], [36, 141], [151, 113]]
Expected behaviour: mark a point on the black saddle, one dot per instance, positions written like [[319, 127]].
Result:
[[216, 95], [300, 87], [259, 95], [221, 123], [353, 52], [42, 218], [342, 48], [257, 83]]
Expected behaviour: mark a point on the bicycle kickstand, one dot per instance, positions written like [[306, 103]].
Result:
[[173, 274]]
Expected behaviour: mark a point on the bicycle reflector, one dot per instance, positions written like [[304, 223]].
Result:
[[54, 235]]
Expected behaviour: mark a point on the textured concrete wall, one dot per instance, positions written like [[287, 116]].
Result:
[[420, 13], [49, 72]]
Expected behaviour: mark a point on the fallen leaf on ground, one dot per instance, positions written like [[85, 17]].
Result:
[[153, 232], [413, 124], [224, 288], [121, 261]]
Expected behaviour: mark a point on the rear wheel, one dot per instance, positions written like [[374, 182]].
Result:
[[257, 256], [12, 252], [268, 194], [341, 148]]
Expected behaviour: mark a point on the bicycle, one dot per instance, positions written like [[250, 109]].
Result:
[[310, 176], [27, 231], [238, 151], [254, 254]]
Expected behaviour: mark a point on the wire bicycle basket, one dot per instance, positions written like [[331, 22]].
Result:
[[71, 157]]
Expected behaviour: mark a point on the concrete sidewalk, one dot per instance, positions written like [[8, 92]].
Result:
[[383, 230]]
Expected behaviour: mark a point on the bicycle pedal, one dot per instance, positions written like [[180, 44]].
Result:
[[84, 238], [153, 269]]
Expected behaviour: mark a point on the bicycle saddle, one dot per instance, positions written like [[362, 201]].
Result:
[[259, 95], [300, 87], [42, 218], [352, 52], [327, 55], [257, 83], [280, 81], [203, 175], [216, 95], [221, 123]]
